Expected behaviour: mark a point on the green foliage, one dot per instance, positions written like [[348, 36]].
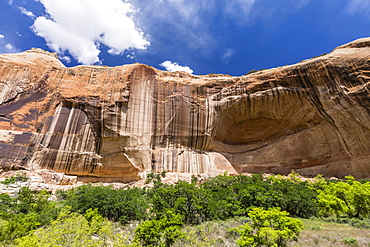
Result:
[[198, 237], [242, 192], [73, 229], [14, 179], [163, 174], [194, 179], [223, 197], [219, 198], [94, 219], [232, 232], [161, 232], [350, 241], [345, 199], [122, 205], [5, 202], [270, 227], [318, 183], [251, 71], [359, 223], [183, 198], [27, 212], [18, 225], [355, 222], [294, 176], [155, 177]]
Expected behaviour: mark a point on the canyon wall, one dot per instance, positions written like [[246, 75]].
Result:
[[112, 123]]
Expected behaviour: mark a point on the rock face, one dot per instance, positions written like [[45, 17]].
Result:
[[111, 123]]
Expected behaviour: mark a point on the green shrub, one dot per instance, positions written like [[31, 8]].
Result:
[[14, 179], [25, 213], [270, 227], [73, 229], [350, 241], [232, 233], [161, 232]]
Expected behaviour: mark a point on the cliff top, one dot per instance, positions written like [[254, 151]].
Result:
[[39, 56]]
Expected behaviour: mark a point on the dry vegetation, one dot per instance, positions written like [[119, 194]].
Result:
[[315, 233]]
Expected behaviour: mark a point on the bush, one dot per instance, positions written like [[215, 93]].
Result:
[[14, 179], [162, 232], [270, 227], [25, 213], [73, 229], [350, 241]]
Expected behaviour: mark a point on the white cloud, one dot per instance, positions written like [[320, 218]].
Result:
[[173, 66], [9, 47], [65, 58], [5, 46], [26, 12], [228, 54], [359, 6], [192, 22], [79, 27], [239, 9]]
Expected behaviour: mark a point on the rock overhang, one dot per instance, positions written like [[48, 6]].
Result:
[[111, 123]]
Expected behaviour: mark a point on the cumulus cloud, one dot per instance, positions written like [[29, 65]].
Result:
[[9, 47], [174, 66], [79, 28], [5, 46]]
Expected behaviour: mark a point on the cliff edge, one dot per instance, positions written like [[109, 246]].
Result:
[[111, 123]]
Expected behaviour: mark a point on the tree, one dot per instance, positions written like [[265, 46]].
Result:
[[122, 205], [73, 229], [162, 232], [270, 228], [345, 199]]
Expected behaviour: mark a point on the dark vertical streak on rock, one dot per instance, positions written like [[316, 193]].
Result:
[[313, 97]]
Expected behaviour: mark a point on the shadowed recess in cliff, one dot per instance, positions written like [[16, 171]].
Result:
[[110, 124]]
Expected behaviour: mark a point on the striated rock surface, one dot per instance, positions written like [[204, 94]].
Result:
[[112, 123]]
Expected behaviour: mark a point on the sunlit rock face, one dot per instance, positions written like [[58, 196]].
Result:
[[109, 124]]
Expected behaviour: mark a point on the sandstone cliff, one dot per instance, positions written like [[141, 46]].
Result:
[[111, 123]]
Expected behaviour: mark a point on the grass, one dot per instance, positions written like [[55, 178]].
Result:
[[219, 233], [315, 233], [321, 233]]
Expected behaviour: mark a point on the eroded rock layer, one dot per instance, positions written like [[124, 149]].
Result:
[[111, 123]]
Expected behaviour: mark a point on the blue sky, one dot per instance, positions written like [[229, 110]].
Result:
[[198, 36]]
